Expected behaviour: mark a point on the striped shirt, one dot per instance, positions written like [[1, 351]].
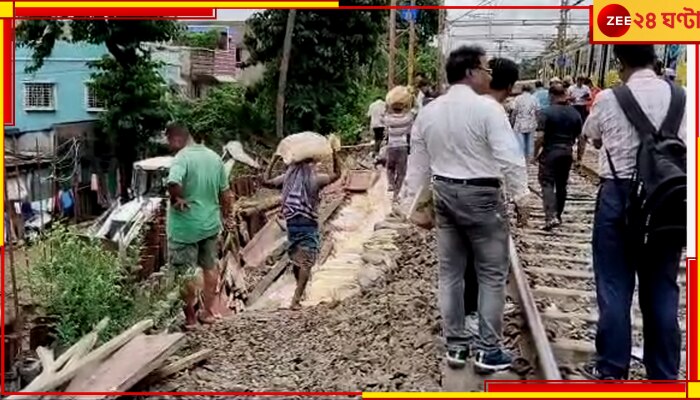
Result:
[[608, 123], [300, 192], [398, 127]]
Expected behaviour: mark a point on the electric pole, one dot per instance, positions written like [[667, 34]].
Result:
[[561, 36], [442, 17], [411, 43], [392, 44], [500, 46], [284, 68]]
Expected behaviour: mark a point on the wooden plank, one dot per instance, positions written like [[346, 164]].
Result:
[[51, 380], [270, 238], [359, 180], [279, 267], [128, 365], [180, 365]]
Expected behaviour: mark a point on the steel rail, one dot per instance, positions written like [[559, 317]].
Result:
[[545, 355]]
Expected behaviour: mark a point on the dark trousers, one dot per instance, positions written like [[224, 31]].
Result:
[[396, 159], [471, 220], [471, 284], [581, 141], [553, 175], [615, 263], [378, 139]]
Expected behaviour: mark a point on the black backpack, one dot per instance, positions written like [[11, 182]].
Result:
[[656, 207]]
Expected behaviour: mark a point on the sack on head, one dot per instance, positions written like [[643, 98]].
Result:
[[302, 146], [399, 96]]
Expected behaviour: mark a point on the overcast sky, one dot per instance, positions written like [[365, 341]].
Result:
[[522, 46]]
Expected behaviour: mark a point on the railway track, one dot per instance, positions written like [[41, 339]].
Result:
[[553, 278]]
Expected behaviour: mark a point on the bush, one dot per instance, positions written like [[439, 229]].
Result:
[[80, 283], [222, 115]]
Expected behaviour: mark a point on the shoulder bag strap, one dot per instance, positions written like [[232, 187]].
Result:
[[634, 113], [676, 110]]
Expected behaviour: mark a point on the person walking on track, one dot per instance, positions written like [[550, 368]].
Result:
[[465, 142], [561, 125], [640, 129], [504, 74], [376, 113], [301, 185], [398, 123], [525, 109]]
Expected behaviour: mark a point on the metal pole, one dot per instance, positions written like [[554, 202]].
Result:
[[500, 46], [411, 46], [9, 246], [40, 196], [76, 177]]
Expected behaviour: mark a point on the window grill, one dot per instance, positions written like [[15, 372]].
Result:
[[39, 96]]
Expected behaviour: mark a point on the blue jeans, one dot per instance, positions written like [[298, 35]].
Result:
[[302, 233], [527, 143], [615, 264]]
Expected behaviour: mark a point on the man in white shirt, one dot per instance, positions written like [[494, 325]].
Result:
[[580, 94], [656, 263], [465, 142], [504, 74], [376, 115], [525, 109]]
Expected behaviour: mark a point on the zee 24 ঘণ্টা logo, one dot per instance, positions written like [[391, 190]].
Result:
[[614, 20]]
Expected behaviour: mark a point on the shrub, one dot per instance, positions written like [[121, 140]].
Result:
[[76, 280], [80, 283]]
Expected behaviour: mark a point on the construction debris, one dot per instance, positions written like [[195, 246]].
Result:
[[360, 180], [115, 366], [385, 339], [128, 365]]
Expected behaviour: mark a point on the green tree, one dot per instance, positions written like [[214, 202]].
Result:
[[126, 78], [224, 114], [337, 61], [529, 68], [328, 50], [206, 40]]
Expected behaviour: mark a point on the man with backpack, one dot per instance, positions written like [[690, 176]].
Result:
[[640, 218]]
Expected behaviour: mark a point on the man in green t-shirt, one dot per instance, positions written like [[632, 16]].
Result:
[[198, 189]]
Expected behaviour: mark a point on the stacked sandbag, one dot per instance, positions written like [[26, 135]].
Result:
[[306, 145], [421, 211], [399, 96]]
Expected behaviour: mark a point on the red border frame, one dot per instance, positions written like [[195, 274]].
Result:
[[494, 385]]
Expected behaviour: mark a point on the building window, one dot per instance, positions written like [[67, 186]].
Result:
[[39, 96], [92, 101]]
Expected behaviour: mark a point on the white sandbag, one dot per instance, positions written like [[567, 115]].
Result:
[[234, 149], [334, 141], [399, 95], [302, 146], [421, 211]]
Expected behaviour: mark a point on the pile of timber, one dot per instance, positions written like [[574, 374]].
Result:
[[115, 366]]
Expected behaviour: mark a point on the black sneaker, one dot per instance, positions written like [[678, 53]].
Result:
[[488, 361], [590, 371], [457, 357]]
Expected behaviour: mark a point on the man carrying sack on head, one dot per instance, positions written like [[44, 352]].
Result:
[[301, 185]]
